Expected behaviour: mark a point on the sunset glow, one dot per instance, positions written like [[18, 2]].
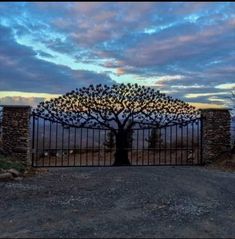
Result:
[[185, 50]]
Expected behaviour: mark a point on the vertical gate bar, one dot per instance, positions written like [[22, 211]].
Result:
[[159, 147], [93, 145], [143, 144], [104, 147], [99, 148], [182, 150], [68, 146], [133, 133], [80, 150], [129, 152], [111, 150], [87, 150], [129, 149], [201, 135], [33, 138], [154, 152], [187, 144], [49, 151], [137, 149], [62, 147], [170, 144], [198, 137], [148, 145], [56, 142], [75, 146], [43, 142], [37, 157], [176, 142], [192, 142], [165, 145]]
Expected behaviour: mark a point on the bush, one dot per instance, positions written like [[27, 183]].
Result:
[[7, 163]]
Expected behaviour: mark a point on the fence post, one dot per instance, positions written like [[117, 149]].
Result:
[[215, 134], [16, 133]]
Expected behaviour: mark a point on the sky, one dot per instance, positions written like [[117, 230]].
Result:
[[186, 50]]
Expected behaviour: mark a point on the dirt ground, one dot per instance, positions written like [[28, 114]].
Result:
[[120, 202]]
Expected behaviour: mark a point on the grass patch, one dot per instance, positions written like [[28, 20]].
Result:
[[7, 163]]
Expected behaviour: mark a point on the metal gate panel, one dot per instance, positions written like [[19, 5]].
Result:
[[59, 145]]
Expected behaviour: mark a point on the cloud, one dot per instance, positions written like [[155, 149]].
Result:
[[120, 71], [67, 45], [226, 86], [162, 80], [18, 100], [195, 45], [20, 70], [194, 86], [196, 95]]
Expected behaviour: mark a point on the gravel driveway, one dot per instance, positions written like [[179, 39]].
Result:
[[120, 202]]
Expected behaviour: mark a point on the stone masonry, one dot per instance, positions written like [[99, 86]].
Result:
[[16, 133], [215, 134]]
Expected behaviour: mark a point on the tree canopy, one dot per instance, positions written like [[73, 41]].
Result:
[[117, 106]]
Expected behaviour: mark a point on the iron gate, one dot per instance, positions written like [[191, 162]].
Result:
[[60, 145]]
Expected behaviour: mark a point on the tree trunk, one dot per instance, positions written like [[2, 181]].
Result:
[[121, 154]]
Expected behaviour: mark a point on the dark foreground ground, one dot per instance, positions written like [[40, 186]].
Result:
[[120, 202]]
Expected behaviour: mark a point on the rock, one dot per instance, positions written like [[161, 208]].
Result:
[[26, 172], [2, 170], [20, 149], [18, 178], [6, 176], [190, 156], [14, 172]]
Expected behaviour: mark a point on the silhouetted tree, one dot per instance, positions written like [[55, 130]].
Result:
[[118, 108]]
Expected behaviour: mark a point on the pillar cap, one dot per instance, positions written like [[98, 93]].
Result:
[[215, 109], [16, 106]]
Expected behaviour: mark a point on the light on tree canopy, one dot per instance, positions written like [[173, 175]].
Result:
[[121, 106]]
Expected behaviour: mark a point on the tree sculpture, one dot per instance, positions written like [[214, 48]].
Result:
[[118, 108]]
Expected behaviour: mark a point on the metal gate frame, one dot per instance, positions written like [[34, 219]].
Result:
[[62, 145]]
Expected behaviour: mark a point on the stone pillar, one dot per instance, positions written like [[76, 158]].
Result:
[[215, 134], [16, 133]]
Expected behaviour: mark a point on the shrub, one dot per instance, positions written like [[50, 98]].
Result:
[[7, 163]]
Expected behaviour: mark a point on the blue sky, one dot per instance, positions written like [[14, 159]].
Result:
[[186, 50]]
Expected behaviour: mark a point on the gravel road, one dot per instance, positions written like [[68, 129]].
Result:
[[120, 202]]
